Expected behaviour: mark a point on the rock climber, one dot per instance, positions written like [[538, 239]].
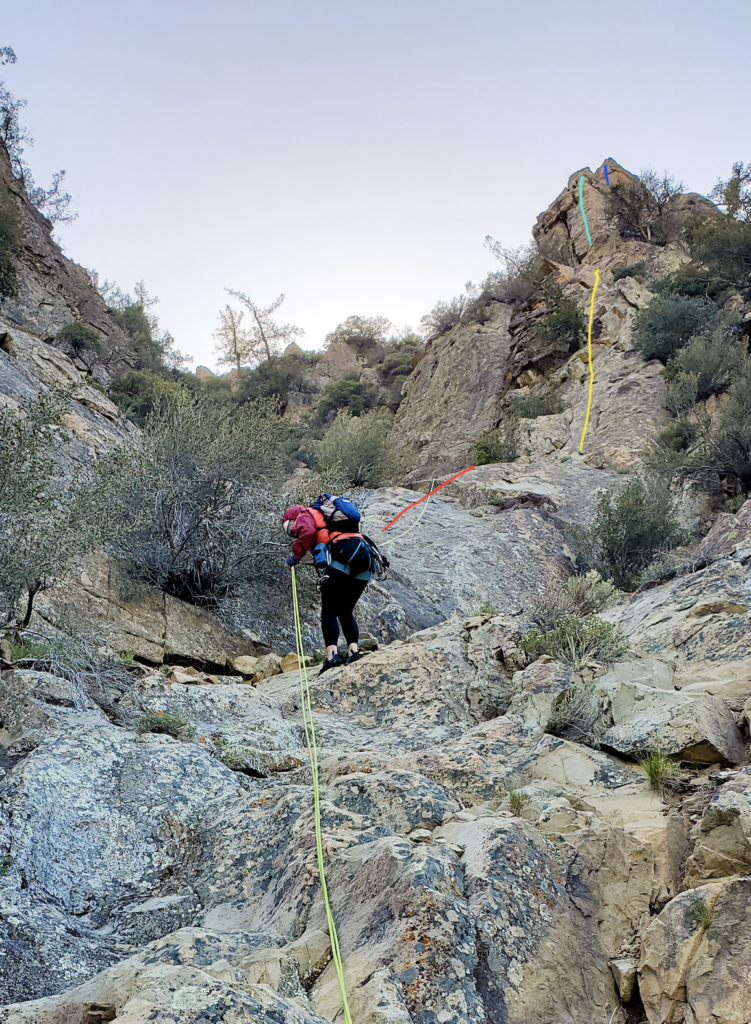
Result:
[[348, 562]]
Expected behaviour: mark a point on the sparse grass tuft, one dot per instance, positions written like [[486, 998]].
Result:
[[30, 650], [486, 609], [660, 769], [575, 711], [516, 800], [163, 722], [700, 910]]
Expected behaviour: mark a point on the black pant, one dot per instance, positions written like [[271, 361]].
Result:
[[339, 595]]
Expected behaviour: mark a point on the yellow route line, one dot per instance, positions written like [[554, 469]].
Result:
[[589, 353]]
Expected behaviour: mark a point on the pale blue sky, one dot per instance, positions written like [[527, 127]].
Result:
[[353, 154]]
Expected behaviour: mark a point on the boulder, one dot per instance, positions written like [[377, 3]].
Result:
[[701, 730], [696, 956], [245, 664], [624, 972], [268, 665], [290, 663], [180, 977], [723, 842]]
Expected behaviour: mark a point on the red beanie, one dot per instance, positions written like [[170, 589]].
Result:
[[293, 512]]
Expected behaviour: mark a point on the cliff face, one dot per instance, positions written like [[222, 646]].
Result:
[[488, 858], [458, 390], [53, 291]]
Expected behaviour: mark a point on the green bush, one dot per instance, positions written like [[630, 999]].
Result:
[[632, 270], [629, 528], [276, 378], [356, 451], [499, 445], [191, 505], [641, 208], [530, 407], [669, 322], [162, 722], [721, 246], [362, 333], [81, 341], [10, 239], [564, 326], [577, 640], [347, 393], [43, 525], [704, 367], [579, 596], [30, 650], [142, 392]]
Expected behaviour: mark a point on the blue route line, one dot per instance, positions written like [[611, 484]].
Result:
[[607, 179]]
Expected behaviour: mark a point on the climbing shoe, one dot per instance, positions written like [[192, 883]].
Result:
[[331, 663], [353, 656]]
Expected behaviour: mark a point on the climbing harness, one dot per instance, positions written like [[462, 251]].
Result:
[[310, 736]]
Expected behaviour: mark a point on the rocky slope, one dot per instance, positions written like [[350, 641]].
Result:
[[482, 869]]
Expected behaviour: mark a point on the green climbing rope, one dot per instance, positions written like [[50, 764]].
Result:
[[310, 736]]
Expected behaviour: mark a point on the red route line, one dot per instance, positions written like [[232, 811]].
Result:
[[426, 496]]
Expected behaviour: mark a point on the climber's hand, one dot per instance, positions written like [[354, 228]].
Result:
[[291, 560]]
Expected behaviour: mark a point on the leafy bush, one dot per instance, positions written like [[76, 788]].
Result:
[[629, 528], [641, 208], [10, 239], [362, 333], [522, 276], [445, 315], [721, 246], [499, 445], [530, 407], [564, 325], [580, 596], [43, 525], [659, 768], [632, 270], [577, 641], [704, 367], [141, 392], [397, 365], [669, 322], [347, 393], [276, 378], [162, 722], [355, 450], [81, 341], [192, 511]]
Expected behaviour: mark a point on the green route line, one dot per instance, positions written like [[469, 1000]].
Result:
[[310, 736], [581, 207]]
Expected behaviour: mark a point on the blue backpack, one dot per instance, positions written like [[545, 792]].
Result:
[[341, 514]]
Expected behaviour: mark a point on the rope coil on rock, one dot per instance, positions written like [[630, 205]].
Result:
[[310, 736]]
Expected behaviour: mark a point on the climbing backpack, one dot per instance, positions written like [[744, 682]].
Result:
[[341, 514], [380, 561], [352, 556]]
